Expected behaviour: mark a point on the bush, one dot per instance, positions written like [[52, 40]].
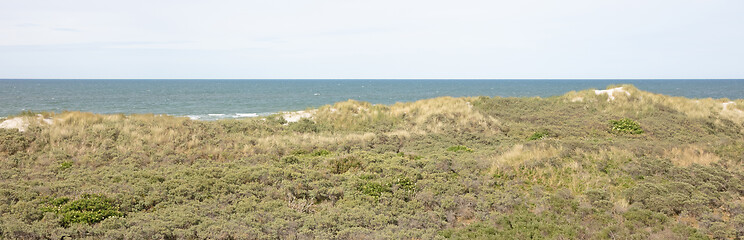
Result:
[[90, 208], [65, 165], [341, 165], [539, 135], [459, 148], [290, 159], [644, 218], [374, 189], [626, 125], [276, 119], [321, 152], [12, 141], [406, 184], [305, 126], [599, 198]]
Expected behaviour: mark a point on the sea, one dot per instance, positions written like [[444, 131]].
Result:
[[224, 99]]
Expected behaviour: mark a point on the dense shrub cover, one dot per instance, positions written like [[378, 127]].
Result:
[[88, 209], [626, 125], [444, 168]]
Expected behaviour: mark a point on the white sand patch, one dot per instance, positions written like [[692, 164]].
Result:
[[577, 99], [16, 122], [732, 110], [296, 116], [725, 105], [21, 123], [611, 93]]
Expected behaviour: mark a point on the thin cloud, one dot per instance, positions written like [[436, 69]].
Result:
[[27, 25], [374, 39], [65, 29]]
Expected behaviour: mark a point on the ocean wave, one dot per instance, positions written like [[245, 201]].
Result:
[[247, 114]]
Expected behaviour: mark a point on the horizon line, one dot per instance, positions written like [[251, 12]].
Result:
[[371, 79]]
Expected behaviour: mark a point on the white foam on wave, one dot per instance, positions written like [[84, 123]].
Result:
[[246, 115], [215, 114]]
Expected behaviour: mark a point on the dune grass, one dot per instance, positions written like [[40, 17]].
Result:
[[459, 168]]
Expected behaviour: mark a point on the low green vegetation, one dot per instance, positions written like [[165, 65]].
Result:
[[539, 135], [459, 148], [444, 168], [88, 209], [626, 125]]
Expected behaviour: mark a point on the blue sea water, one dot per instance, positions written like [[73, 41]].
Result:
[[215, 99]]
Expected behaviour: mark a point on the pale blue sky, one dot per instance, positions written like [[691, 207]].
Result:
[[372, 39]]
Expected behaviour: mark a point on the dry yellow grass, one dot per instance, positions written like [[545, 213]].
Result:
[[612, 154], [688, 155], [518, 155], [435, 115], [424, 116], [283, 144], [638, 101]]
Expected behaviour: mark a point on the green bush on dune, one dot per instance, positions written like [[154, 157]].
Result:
[[539, 135], [89, 208], [626, 125], [444, 168], [12, 141], [459, 148]]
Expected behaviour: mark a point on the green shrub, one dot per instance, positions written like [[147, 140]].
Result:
[[478, 230], [406, 184], [300, 152], [626, 125], [65, 165], [342, 165], [374, 189], [321, 152], [644, 218], [90, 208], [539, 135], [57, 202], [719, 230], [459, 148], [305, 126], [290, 159], [599, 198], [276, 119], [12, 141]]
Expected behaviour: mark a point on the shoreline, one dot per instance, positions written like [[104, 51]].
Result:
[[611, 94], [293, 116], [201, 98]]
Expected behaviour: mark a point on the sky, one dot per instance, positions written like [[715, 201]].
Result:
[[380, 39]]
